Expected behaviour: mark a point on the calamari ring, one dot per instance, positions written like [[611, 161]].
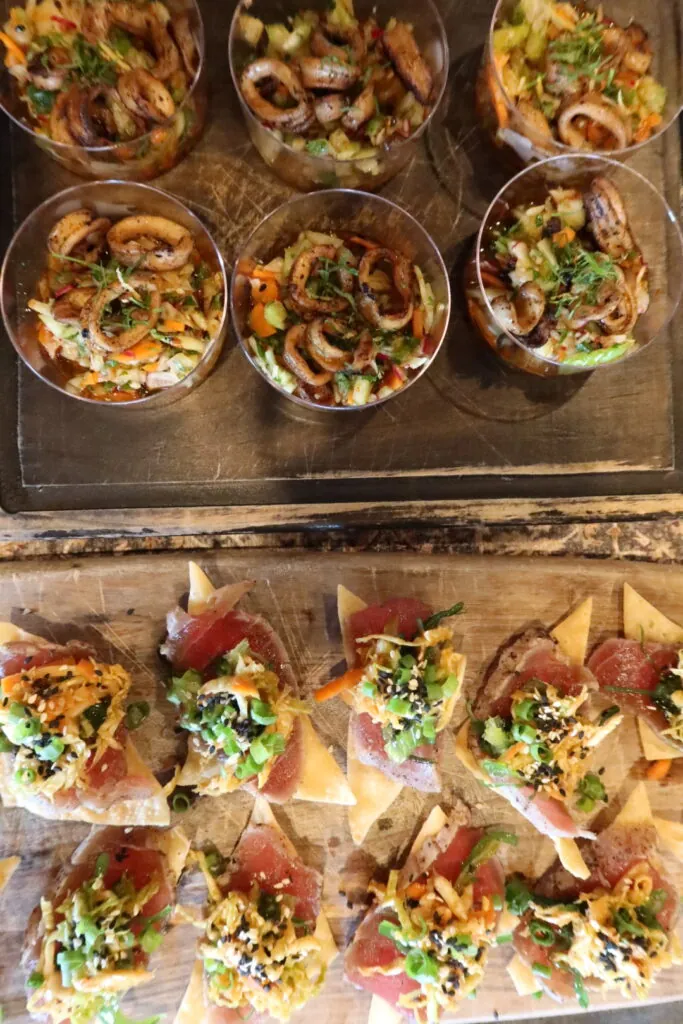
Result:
[[295, 339], [607, 218], [302, 269], [402, 273], [145, 95], [322, 73], [296, 118], [329, 356], [150, 243], [595, 108], [523, 313], [75, 228], [92, 315]]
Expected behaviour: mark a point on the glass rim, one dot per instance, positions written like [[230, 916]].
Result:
[[596, 158], [566, 150], [380, 201], [329, 162], [68, 148], [72, 192]]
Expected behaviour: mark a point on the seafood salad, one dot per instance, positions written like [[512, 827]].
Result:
[[341, 321], [566, 276], [100, 72], [333, 85], [125, 308], [577, 77]]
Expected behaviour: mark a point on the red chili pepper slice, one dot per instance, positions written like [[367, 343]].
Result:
[[64, 22], [428, 345], [64, 290]]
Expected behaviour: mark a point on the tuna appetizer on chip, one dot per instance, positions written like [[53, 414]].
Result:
[[93, 937], [423, 946], [265, 944], [238, 700], [65, 746]]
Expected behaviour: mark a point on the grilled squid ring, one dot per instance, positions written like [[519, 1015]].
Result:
[[329, 356], [402, 274], [76, 228], [321, 73], [186, 43], [144, 21], [622, 318], [323, 43], [360, 110], [145, 95], [303, 267], [295, 340], [59, 119], [92, 315], [595, 108], [295, 118], [607, 218], [150, 243], [607, 299], [521, 314], [330, 108], [88, 125]]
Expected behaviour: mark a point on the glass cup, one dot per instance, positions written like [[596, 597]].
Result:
[[141, 159], [303, 170], [653, 225], [509, 127], [357, 213], [25, 261]]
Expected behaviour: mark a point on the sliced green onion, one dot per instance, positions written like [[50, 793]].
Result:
[[215, 861], [247, 769], [5, 746], [540, 752], [262, 713], [429, 730], [136, 714], [101, 865], [70, 962], [542, 970], [52, 750], [151, 939], [592, 787], [523, 733], [434, 692], [518, 896], [580, 990], [541, 933], [450, 686], [501, 940], [25, 776], [35, 980], [585, 804], [368, 689], [421, 967], [525, 710], [399, 706], [181, 801], [497, 901]]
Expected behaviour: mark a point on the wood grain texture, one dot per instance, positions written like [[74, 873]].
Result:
[[235, 442], [120, 605]]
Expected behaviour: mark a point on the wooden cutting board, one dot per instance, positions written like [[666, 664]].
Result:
[[119, 604]]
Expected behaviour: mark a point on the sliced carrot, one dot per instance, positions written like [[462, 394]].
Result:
[[263, 274], [564, 237], [150, 367], [15, 54], [339, 685], [658, 770], [516, 748], [646, 127], [365, 242], [416, 890], [44, 336], [245, 686], [145, 350], [171, 326], [418, 323], [491, 280], [259, 324], [265, 290]]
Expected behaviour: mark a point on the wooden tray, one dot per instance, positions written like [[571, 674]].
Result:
[[120, 604], [482, 433]]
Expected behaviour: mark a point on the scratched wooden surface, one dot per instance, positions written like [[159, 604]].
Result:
[[481, 429], [119, 604]]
